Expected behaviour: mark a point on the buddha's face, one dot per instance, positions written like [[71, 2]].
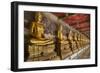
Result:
[[38, 17]]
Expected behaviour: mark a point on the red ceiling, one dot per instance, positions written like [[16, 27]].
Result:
[[80, 22]]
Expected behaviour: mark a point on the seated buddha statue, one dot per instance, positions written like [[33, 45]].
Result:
[[61, 37], [64, 47], [72, 41], [37, 30]]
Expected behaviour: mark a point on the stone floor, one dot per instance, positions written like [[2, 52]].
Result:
[[82, 54], [85, 54]]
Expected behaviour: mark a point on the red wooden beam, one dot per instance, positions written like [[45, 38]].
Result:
[[84, 29], [82, 25], [76, 18]]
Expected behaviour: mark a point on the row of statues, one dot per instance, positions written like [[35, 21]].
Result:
[[55, 48]]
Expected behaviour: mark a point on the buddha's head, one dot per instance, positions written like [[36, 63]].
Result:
[[60, 27], [38, 17], [70, 35]]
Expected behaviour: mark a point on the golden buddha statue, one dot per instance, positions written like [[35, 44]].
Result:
[[37, 30], [39, 45], [70, 36], [76, 40], [60, 36], [72, 41], [37, 27], [65, 49]]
